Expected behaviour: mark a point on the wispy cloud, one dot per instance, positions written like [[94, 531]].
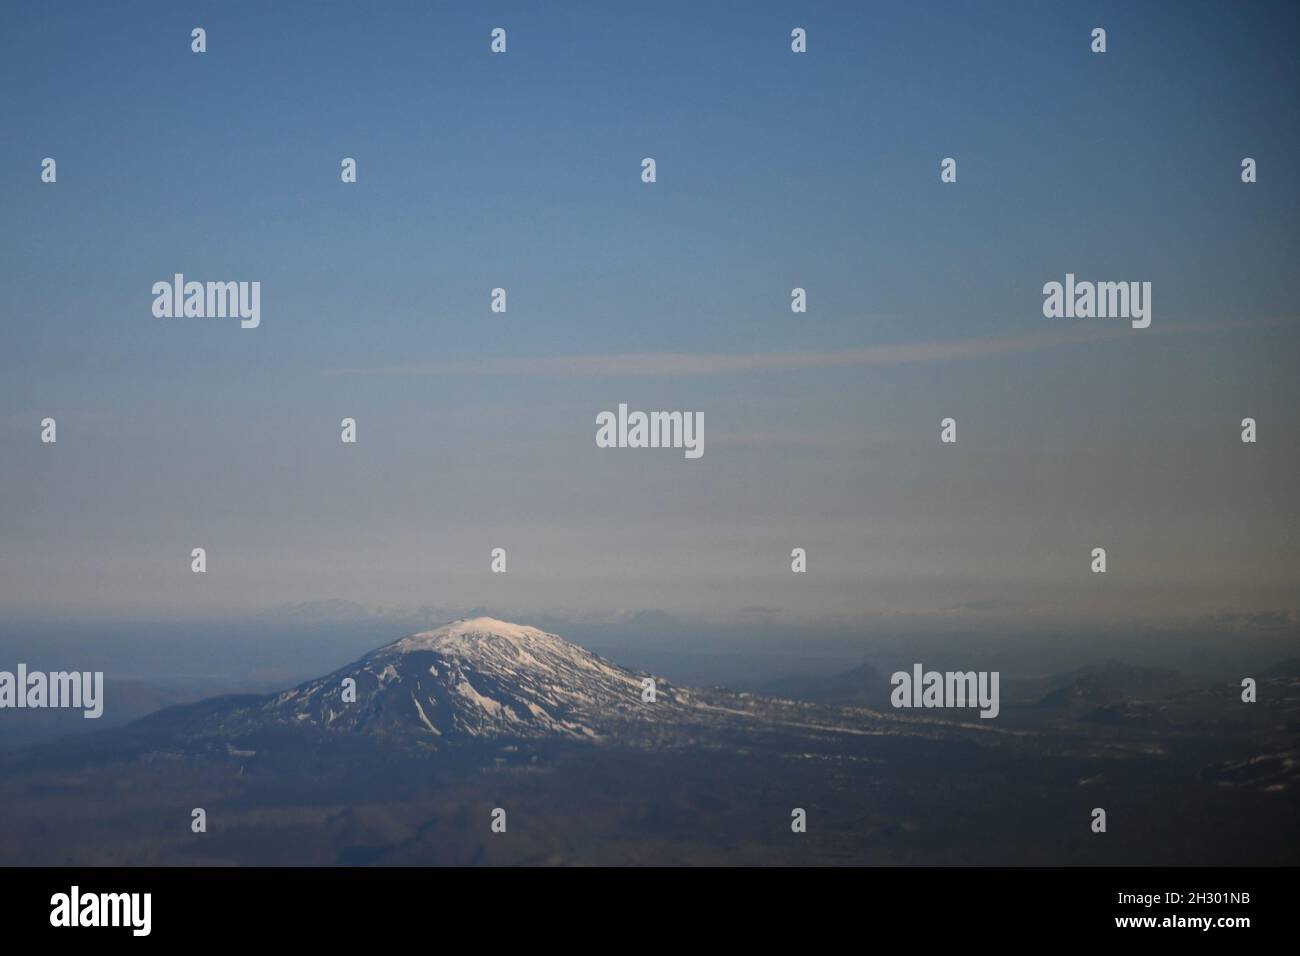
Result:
[[678, 364]]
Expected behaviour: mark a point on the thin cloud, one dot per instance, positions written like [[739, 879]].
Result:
[[681, 364]]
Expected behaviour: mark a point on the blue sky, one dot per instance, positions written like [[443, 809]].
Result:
[[774, 171]]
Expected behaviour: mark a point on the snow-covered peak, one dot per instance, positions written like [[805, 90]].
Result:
[[511, 651], [465, 634]]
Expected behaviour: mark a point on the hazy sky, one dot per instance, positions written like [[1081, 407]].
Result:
[[775, 170]]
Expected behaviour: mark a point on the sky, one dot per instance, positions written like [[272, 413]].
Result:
[[774, 170]]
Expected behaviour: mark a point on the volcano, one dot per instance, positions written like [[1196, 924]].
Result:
[[475, 678]]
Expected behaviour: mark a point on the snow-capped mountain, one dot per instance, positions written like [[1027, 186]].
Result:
[[485, 680], [479, 677]]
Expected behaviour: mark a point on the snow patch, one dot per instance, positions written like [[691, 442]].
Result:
[[423, 718], [466, 690]]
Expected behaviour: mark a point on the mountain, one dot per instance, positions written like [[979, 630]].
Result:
[[861, 686], [474, 678], [1112, 683]]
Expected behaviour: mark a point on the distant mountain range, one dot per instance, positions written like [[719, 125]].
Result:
[[1111, 683], [484, 679], [1085, 688], [862, 685]]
